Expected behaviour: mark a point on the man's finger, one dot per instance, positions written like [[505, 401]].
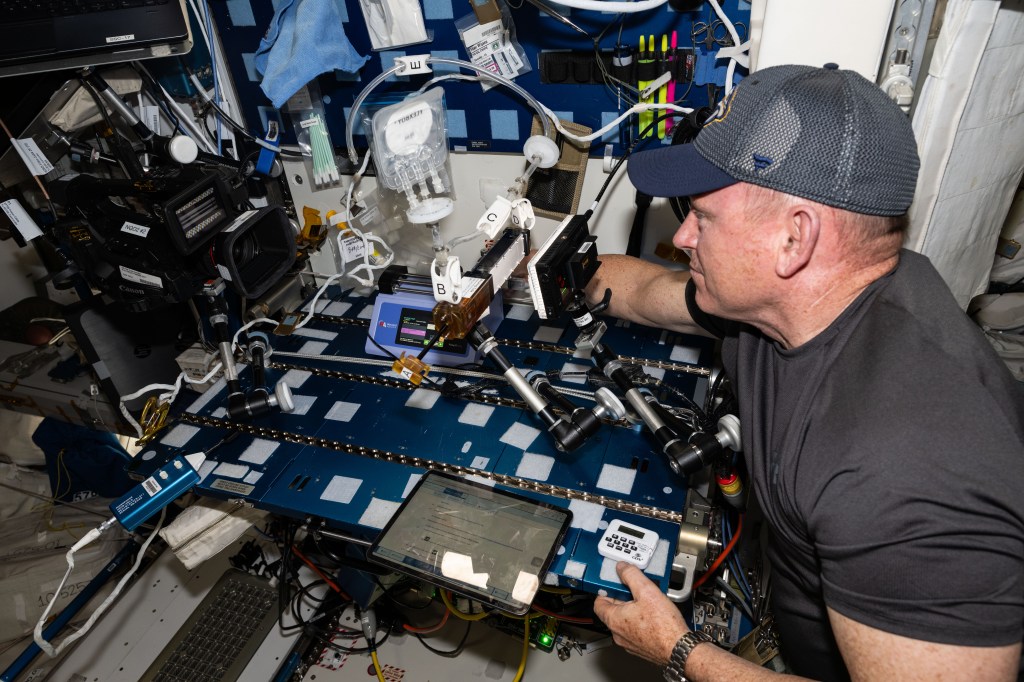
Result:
[[631, 576]]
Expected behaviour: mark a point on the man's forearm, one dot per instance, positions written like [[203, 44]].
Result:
[[643, 292], [709, 664]]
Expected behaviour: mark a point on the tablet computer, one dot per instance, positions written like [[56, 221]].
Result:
[[486, 544]]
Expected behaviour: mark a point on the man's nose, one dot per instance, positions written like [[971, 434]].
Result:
[[686, 236]]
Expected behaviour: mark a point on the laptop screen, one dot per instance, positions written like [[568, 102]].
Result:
[[77, 35]]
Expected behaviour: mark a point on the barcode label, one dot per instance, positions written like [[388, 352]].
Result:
[[151, 486]]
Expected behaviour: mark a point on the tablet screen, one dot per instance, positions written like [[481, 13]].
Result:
[[487, 544]]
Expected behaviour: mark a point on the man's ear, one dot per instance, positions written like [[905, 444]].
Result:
[[799, 232]]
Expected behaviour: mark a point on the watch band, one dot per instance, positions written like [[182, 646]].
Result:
[[676, 668]]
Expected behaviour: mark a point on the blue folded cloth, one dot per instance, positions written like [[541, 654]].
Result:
[[305, 39]]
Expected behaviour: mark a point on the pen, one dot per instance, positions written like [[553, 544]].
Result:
[[641, 59], [645, 68], [663, 90], [670, 89]]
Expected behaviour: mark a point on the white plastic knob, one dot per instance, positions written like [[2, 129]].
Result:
[[283, 392], [183, 149], [541, 149]]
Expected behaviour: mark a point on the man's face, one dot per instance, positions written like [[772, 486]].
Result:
[[730, 259]]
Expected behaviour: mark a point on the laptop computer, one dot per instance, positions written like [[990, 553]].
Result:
[[45, 35]]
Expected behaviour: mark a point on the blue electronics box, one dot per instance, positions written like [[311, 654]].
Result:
[[404, 323]]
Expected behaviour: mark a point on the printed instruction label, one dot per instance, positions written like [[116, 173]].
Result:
[[130, 275], [470, 285], [32, 155], [135, 229], [21, 220], [232, 487], [488, 48]]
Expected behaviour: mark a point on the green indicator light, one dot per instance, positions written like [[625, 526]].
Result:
[[545, 639]]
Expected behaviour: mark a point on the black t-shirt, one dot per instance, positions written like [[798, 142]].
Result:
[[887, 454]]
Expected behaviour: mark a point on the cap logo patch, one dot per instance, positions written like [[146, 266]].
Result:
[[722, 110], [761, 162]]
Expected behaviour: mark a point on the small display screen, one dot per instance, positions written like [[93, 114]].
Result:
[[416, 329], [632, 531], [488, 544]]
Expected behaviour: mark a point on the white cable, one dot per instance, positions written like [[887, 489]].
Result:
[[612, 5], [312, 304], [169, 395], [351, 185], [735, 41], [367, 251], [247, 326], [37, 633], [389, 258], [635, 109], [199, 21], [184, 118]]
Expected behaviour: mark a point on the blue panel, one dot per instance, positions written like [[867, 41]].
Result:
[[564, 115], [240, 12], [504, 125], [446, 54], [587, 103], [437, 9], [343, 10], [606, 118], [248, 59], [296, 480], [456, 123]]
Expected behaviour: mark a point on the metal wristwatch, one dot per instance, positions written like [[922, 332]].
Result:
[[680, 652]]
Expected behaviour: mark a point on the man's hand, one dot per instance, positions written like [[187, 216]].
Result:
[[650, 625]]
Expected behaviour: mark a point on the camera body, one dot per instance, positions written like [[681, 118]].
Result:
[[155, 242]]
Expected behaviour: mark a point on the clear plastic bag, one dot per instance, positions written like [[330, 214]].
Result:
[[306, 109], [392, 23], [410, 152], [493, 45]]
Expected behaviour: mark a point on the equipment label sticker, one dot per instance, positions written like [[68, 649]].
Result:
[[130, 275], [32, 155], [135, 228], [232, 487], [470, 285], [352, 249], [151, 486], [21, 219], [239, 221]]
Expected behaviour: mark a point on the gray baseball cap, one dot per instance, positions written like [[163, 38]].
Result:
[[825, 134]]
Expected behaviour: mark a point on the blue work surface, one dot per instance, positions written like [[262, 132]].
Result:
[[361, 436]]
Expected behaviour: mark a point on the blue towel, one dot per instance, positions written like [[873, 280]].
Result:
[[305, 39]]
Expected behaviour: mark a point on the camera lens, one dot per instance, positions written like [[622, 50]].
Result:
[[245, 249]]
